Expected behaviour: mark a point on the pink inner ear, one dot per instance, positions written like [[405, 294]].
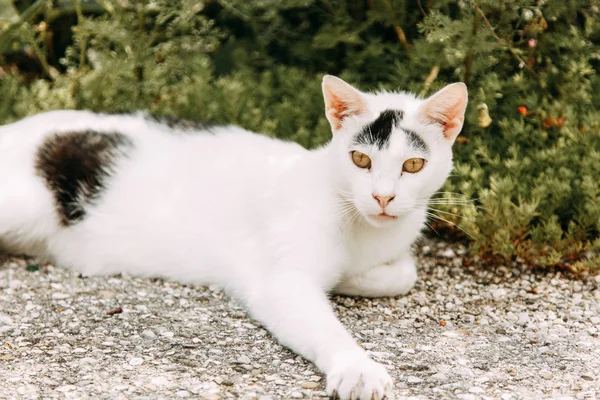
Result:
[[341, 101], [452, 128], [336, 111], [447, 107]]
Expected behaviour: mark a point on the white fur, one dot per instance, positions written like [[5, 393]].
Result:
[[262, 217]]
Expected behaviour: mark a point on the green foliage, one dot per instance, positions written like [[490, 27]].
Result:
[[525, 185]]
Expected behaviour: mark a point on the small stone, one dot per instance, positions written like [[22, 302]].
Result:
[[439, 377], [167, 334], [296, 395], [587, 378], [148, 334], [546, 374], [449, 253], [161, 381], [243, 359], [211, 396], [499, 293], [60, 296], [414, 379], [65, 388], [182, 393], [476, 389], [114, 311], [452, 334], [310, 385], [108, 344], [524, 318], [135, 361]]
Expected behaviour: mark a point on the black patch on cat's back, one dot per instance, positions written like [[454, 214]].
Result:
[[76, 166], [378, 132]]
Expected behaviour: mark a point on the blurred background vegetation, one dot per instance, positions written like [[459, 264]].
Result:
[[526, 183]]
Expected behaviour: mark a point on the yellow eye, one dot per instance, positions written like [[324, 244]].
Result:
[[361, 160], [413, 165]]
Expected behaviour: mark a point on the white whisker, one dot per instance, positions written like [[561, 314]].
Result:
[[450, 223]]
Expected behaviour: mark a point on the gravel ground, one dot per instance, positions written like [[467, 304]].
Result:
[[464, 332]]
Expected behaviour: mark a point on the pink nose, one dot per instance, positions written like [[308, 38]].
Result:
[[383, 200]]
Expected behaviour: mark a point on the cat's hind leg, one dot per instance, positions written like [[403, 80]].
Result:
[[26, 205]]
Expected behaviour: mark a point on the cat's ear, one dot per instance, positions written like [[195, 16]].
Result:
[[341, 101], [447, 108]]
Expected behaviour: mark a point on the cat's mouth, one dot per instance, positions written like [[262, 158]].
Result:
[[385, 217]]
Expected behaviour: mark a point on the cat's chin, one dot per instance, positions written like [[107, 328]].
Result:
[[381, 220]]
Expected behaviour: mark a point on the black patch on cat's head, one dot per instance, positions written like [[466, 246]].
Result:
[[415, 141], [76, 165], [378, 132], [180, 124]]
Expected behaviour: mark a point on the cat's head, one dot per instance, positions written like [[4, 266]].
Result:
[[391, 151]]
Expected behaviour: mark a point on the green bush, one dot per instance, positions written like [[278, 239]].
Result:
[[525, 186]]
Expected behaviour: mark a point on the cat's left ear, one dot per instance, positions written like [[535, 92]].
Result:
[[447, 108], [342, 100]]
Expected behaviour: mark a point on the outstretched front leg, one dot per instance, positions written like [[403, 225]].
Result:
[[295, 309], [391, 279]]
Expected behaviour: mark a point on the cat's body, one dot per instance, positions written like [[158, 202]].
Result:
[[277, 225]]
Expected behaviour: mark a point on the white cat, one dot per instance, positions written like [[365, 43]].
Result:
[[279, 226]]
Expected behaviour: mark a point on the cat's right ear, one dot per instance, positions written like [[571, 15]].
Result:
[[341, 101]]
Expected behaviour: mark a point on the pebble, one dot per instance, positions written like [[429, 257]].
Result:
[[476, 389], [524, 318], [135, 361], [243, 359], [449, 253], [439, 377], [546, 374], [60, 296], [499, 293], [148, 334], [310, 385]]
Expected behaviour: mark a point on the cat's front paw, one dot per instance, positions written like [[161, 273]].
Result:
[[359, 379]]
